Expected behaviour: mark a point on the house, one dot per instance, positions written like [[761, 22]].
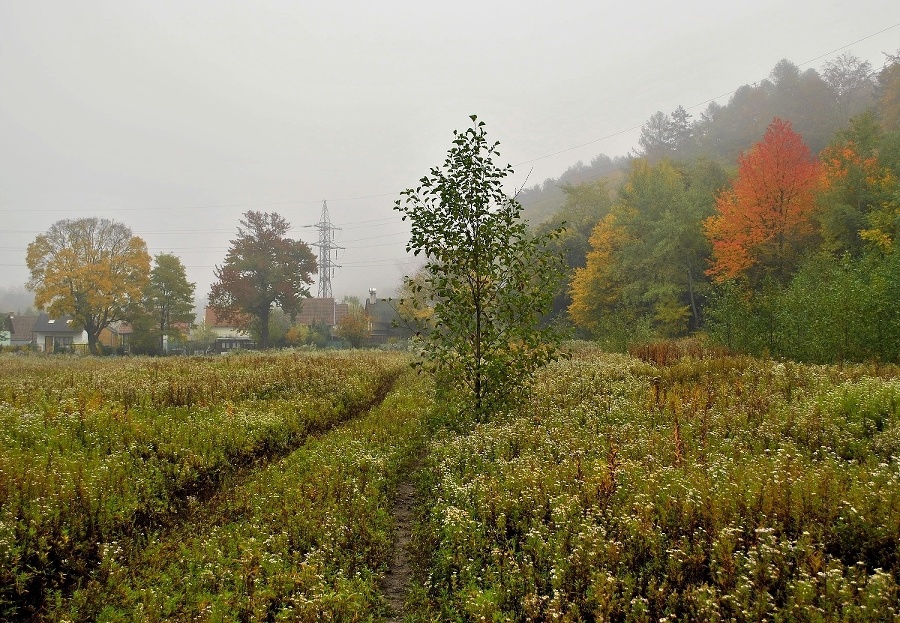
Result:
[[221, 327], [228, 335], [19, 330], [385, 322], [52, 335], [322, 311], [116, 336]]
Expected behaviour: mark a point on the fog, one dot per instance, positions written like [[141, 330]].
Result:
[[176, 117]]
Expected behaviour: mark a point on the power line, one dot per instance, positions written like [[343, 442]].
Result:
[[206, 206], [703, 103]]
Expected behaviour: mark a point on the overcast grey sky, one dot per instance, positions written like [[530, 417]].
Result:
[[175, 117]]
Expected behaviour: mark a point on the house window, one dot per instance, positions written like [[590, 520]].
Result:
[[62, 343]]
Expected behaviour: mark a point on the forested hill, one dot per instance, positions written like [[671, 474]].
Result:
[[541, 201], [817, 103]]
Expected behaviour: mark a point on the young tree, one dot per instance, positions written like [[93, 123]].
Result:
[[279, 325], [354, 327], [490, 279], [169, 298], [263, 267], [415, 308], [764, 222], [204, 336], [597, 288], [297, 335], [92, 269]]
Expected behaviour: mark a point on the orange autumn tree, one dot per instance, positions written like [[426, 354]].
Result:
[[91, 269], [764, 221]]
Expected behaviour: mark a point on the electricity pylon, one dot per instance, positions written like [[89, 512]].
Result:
[[327, 252]]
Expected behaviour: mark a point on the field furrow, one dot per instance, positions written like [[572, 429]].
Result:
[[306, 538], [118, 450]]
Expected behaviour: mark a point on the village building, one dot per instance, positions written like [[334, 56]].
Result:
[[385, 323], [55, 335], [322, 311], [19, 330]]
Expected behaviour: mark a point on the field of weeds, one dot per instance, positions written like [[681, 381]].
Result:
[[96, 452], [676, 483], [706, 488]]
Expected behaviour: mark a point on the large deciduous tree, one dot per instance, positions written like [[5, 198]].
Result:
[[91, 269], [889, 93], [667, 136], [852, 82], [489, 278], [764, 222], [263, 267]]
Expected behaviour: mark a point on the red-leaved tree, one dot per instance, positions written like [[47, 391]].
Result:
[[263, 268], [764, 222]]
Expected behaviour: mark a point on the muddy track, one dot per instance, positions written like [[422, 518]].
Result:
[[396, 582], [206, 492], [194, 505]]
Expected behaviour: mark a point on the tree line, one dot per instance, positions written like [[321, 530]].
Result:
[[708, 230], [818, 104], [787, 249], [98, 272]]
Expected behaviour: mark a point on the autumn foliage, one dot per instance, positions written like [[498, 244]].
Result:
[[263, 267], [862, 191], [764, 221], [597, 287], [91, 269]]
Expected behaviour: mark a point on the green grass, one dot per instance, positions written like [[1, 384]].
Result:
[[703, 487]]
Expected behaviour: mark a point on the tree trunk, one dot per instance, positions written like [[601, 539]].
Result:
[[162, 332], [693, 300], [93, 341], [264, 328]]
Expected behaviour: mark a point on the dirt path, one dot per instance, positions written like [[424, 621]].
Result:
[[396, 582]]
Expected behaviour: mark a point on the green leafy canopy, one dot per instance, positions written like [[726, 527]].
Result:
[[489, 279]]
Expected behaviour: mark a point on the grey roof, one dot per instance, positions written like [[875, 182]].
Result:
[[58, 326], [384, 318], [20, 327]]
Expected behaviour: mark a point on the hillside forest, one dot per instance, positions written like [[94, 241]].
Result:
[[768, 223]]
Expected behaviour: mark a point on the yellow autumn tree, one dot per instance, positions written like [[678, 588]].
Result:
[[415, 308], [597, 288], [91, 269], [354, 327]]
